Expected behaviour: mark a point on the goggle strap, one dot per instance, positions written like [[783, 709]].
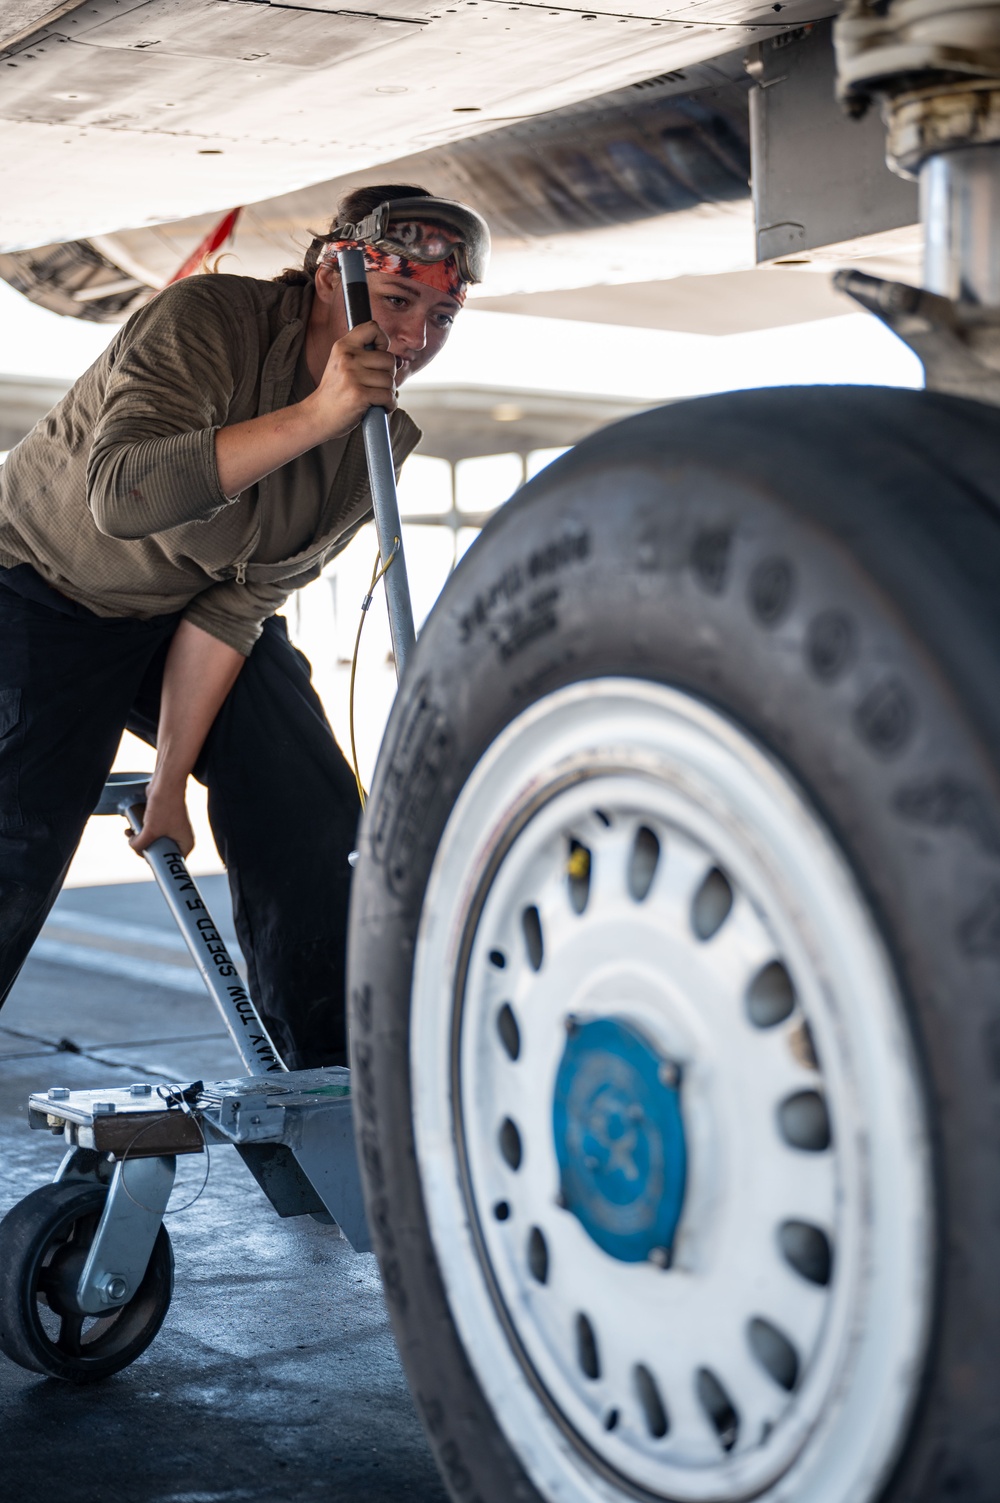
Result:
[[365, 229]]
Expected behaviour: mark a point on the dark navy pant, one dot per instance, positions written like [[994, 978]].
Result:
[[281, 798]]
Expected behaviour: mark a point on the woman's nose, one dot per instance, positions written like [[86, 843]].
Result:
[[412, 335]]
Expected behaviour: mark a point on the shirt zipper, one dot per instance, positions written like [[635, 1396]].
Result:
[[241, 571]]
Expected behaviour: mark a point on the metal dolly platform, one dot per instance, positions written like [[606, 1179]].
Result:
[[87, 1264]]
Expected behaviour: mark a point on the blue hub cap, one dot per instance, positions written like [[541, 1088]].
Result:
[[619, 1140]]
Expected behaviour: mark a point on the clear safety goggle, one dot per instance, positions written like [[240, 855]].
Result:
[[428, 230]]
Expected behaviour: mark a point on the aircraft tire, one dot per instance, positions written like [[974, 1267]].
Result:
[[675, 967]]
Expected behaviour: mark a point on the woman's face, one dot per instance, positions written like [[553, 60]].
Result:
[[417, 318]]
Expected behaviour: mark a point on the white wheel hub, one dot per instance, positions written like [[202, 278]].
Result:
[[668, 1126]]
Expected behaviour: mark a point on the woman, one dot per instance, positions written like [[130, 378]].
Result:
[[151, 526]]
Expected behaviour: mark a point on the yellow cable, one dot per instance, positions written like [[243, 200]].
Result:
[[377, 574]]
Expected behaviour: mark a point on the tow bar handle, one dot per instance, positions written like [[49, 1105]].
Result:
[[126, 795], [382, 476]]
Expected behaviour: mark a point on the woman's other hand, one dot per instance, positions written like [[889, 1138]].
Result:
[[165, 813], [198, 674]]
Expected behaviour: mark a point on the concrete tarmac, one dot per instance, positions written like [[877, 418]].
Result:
[[275, 1376]]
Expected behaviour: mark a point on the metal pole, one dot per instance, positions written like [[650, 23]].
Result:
[[209, 953], [382, 474], [960, 209]]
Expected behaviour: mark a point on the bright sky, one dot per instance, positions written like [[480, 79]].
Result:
[[496, 349], [556, 354]]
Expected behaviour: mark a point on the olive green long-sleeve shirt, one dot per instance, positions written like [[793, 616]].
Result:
[[114, 496]]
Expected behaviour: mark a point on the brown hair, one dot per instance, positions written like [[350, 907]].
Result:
[[353, 206]]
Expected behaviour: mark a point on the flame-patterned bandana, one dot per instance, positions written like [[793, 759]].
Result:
[[444, 276]]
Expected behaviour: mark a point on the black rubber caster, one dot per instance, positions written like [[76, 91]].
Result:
[[44, 1242]]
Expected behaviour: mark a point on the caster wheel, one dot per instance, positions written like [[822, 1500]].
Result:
[[674, 965], [44, 1242]]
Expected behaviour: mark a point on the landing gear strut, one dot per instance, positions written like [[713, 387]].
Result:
[[934, 70]]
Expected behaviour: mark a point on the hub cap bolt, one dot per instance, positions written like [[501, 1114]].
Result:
[[669, 1074], [660, 1257], [114, 1288]]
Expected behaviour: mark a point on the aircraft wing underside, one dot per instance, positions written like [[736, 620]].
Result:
[[138, 112]]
